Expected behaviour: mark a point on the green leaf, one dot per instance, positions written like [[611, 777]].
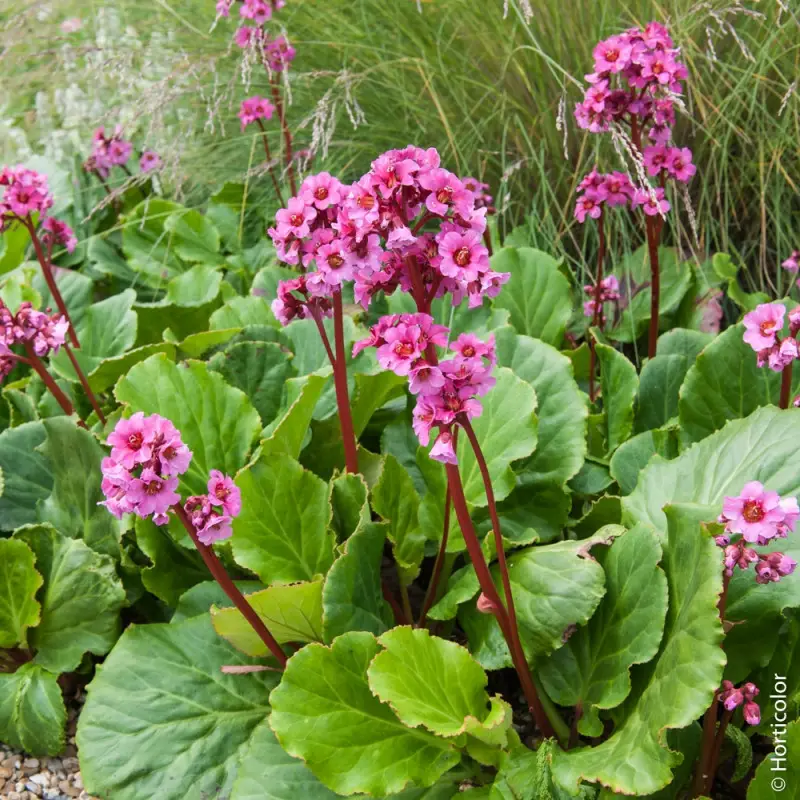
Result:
[[196, 287], [606, 510], [592, 670], [292, 613], [561, 445], [764, 786], [282, 533], [162, 719], [349, 504], [158, 321], [14, 240], [744, 752], [75, 289], [759, 448], [554, 586], [395, 500], [216, 421], [725, 383], [147, 245], [19, 580], [196, 344], [32, 712], [431, 682], [73, 507], [288, 430], [110, 370], [239, 312], [81, 599], [194, 236], [16, 289], [268, 772], [659, 384], [619, 383], [631, 457], [27, 473], [462, 586], [537, 295], [324, 712], [506, 432], [107, 329], [683, 342], [198, 600], [175, 569], [352, 598], [260, 370], [676, 687]]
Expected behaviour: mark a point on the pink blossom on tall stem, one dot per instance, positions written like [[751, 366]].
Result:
[[679, 164], [57, 232], [257, 10], [279, 53], [589, 205], [255, 108], [443, 449], [45, 333], [745, 696], [792, 263], [755, 513], [25, 192], [652, 201], [150, 161], [763, 325]]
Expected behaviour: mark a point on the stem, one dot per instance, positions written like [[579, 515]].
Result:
[[322, 332], [709, 729], [217, 570], [433, 586], [409, 614], [340, 379], [399, 616], [487, 241], [50, 280], [651, 228], [53, 387], [490, 591], [287, 134], [597, 315], [85, 383], [786, 385], [269, 162], [714, 763]]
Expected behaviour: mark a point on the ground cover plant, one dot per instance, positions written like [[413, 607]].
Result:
[[363, 498]]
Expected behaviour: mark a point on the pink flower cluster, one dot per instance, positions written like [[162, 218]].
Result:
[[25, 192], [275, 51], [212, 513], [606, 292], [445, 390], [255, 108], [762, 329], [597, 190], [295, 302], [150, 161], [43, 332], [636, 75], [108, 152], [732, 698], [793, 262], [675, 162], [371, 232], [141, 474], [759, 516], [55, 232]]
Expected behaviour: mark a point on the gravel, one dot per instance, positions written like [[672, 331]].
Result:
[[23, 777]]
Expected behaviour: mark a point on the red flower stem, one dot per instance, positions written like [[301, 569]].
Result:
[[219, 574], [490, 591], [399, 616], [433, 586], [287, 134], [417, 287], [340, 380], [85, 383], [720, 738], [52, 386], [269, 162], [423, 219], [323, 334], [652, 230], [50, 280], [786, 385], [487, 240], [596, 316]]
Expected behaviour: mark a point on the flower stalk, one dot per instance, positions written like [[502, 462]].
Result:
[[653, 230], [85, 384], [786, 385], [340, 380], [598, 307], [268, 155], [52, 386]]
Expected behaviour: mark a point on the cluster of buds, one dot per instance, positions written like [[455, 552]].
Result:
[[43, 333], [371, 232], [141, 474], [212, 513], [762, 332], [759, 516], [445, 390], [108, 152], [732, 697], [295, 302], [255, 108], [607, 291], [636, 79]]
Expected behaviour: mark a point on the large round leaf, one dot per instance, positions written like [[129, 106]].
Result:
[[762, 447], [162, 719], [216, 421], [19, 580], [325, 713], [26, 472], [537, 295]]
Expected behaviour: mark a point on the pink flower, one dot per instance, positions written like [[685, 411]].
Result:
[[752, 713], [485, 605], [783, 354], [442, 449], [423, 419], [793, 262], [588, 205], [279, 53], [656, 158], [763, 325], [253, 109], [295, 219], [150, 161], [215, 528], [224, 7], [246, 36], [57, 232], [334, 266], [446, 192], [222, 491], [391, 171], [25, 192], [321, 191], [679, 164], [257, 10], [470, 346], [115, 483], [401, 349], [617, 189], [152, 493], [611, 55], [424, 378], [755, 513], [771, 568], [132, 440], [652, 201], [463, 255]]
